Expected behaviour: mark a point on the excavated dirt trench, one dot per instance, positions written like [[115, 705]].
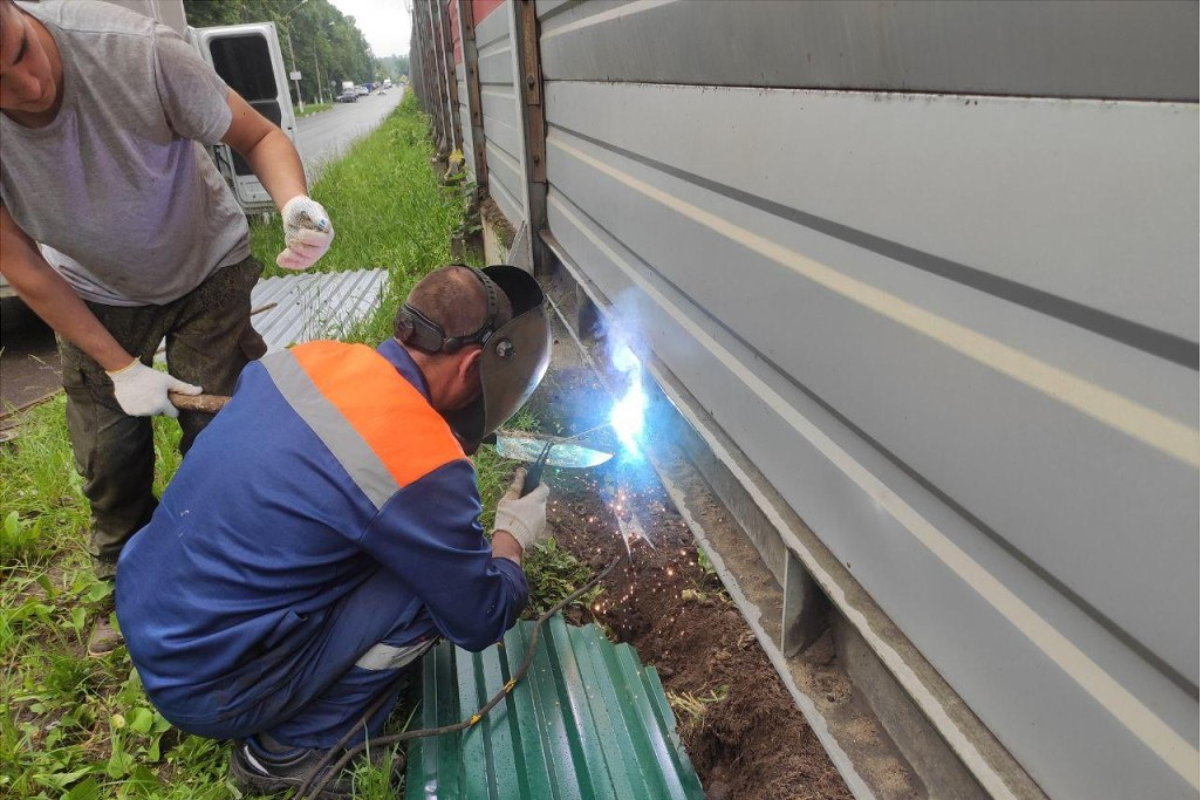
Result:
[[744, 734]]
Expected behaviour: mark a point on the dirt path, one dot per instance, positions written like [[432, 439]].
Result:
[[742, 730], [29, 368]]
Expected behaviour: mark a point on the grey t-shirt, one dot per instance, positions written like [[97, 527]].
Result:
[[119, 191]]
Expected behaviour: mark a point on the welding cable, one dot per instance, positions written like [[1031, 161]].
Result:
[[310, 791]]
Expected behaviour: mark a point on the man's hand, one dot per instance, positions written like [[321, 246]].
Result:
[[307, 233], [142, 391], [523, 517]]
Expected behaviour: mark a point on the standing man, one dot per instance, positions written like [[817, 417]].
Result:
[[325, 529], [104, 115]]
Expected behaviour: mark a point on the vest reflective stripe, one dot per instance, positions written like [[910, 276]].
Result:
[[385, 656], [349, 448], [388, 412]]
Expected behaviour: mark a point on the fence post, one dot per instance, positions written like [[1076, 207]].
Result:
[[529, 77], [447, 43], [445, 69], [436, 79], [466, 23], [416, 84]]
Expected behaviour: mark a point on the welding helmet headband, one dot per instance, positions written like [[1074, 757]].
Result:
[[514, 359], [416, 330]]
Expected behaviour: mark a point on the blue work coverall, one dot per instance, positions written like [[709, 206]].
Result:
[[321, 531]]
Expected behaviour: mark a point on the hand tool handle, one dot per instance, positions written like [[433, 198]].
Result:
[[204, 403], [533, 476]]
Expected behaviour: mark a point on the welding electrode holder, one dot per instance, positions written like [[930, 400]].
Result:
[[533, 476]]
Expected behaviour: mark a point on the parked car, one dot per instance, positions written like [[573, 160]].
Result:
[[348, 96]]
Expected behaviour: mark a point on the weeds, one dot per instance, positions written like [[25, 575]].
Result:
[[690, 709], [387, 208], [708, 582], [553, 574], [18, 537]]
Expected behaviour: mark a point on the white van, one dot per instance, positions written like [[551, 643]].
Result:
[[248, 58]]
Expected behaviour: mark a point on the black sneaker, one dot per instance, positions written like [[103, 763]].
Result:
[[270, 771]]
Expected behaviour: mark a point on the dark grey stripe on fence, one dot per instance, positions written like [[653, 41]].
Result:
[[1158, 343]]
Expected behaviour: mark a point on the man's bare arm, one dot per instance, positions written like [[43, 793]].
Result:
[[268, 151], [504, 545], [53, 299]]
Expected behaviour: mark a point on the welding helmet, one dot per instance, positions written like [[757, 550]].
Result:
[[515, 355]]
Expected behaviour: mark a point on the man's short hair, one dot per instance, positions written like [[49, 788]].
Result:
[[455, 299]]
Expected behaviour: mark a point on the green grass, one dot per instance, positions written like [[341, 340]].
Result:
[[312, 108], [385, 206], [82, 729]]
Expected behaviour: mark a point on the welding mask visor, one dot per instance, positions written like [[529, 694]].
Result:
[[513, 362]]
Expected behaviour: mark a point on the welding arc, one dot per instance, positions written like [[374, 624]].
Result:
[[310, 791]]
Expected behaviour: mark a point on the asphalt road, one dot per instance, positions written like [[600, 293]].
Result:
[[326, 137], [28, 358]]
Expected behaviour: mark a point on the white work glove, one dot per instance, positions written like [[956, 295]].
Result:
[[523, 517], [142, 391], [307, 233]]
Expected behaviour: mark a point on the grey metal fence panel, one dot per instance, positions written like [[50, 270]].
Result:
[[500, 119], [504, 172], [501, 112], [492, 30], [1081, 488], [958, 335], [464, 115], [1143, 50], [1049, 720], [917, 192], [495, 64]]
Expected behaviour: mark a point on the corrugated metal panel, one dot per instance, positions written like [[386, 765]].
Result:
[[962, 346], [588, 721], [308, 306], [1062, 48], [501, 112], [315, 306]]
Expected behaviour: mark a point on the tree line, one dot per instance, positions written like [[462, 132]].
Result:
[[327, 42]]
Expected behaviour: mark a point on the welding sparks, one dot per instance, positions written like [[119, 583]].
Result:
[[629, 414], [628, 525]]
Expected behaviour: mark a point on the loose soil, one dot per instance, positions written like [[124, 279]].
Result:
[[743, 732]]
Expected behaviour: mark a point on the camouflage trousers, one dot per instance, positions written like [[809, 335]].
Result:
[[209, 339]]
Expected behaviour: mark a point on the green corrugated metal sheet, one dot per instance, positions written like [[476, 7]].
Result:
[[587, 721]]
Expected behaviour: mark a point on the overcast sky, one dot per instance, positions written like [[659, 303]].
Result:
[[385, 23]]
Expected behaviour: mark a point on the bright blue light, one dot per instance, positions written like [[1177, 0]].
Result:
[[629, 414]]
